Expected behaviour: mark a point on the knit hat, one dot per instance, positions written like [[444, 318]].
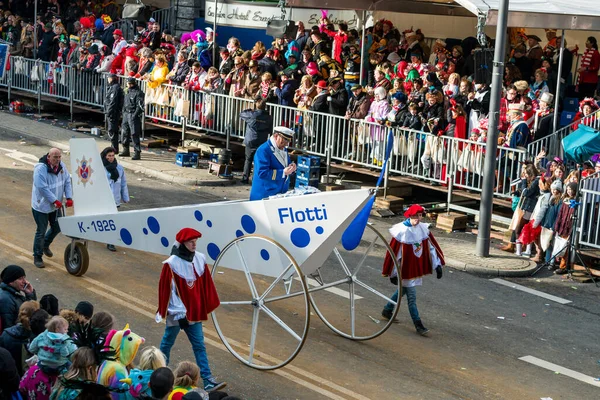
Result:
[[85, 308], [557, 185], [413, 211], [11, 274], [49, 302], [187, 234], [118, 32], [401, 97], [74, 38]]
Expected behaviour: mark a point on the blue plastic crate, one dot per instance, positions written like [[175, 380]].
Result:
[[566, 118], [571, 104], [186, 159], [308, 172], [311, 161], [213, 158], [300, 181]]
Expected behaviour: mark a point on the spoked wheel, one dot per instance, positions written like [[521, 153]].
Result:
[[348, 293], [264, 314], [76, 258]]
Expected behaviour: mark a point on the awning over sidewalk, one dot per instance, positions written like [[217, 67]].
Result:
[[558, 14]]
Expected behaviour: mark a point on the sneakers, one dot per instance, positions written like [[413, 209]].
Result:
[[48, 253], [38, 262], [111, 247], [421, 330], [387, 314], [211, 384]]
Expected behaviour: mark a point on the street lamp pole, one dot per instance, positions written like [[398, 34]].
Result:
[[487, 193]]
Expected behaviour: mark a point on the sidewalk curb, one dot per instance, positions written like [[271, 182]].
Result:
[[131, 166], [484, 271]]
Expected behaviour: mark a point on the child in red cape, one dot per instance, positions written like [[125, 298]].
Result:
[[418, 254]]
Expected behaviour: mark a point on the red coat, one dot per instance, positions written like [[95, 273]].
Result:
[[200, 299]]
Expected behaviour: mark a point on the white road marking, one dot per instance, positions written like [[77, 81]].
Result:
[[334, 290], [102, 288], [20, 156], [531, 291], [564, 371]]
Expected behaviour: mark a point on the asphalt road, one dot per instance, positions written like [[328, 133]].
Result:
[[470, 352]]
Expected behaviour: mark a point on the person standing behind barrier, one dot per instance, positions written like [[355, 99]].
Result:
[[113, 104], [133, 112], [51, 183], [258, 126], [116, 180], [272, 165]]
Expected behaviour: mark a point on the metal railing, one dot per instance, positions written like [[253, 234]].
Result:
[[438, 160], [589, 221], [552, 142], [165, 18]]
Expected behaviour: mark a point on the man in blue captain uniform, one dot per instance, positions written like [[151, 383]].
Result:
[[272, 165]]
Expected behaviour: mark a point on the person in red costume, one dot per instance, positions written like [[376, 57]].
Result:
[[186, 295], [419, 254]]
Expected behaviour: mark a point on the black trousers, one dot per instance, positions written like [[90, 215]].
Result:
[[131, 131], [113, 131], [250, 151]]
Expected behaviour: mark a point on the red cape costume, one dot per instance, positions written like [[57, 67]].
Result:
[[413, 245], [198, 295]]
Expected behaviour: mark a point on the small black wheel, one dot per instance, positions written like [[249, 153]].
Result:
[[78, 264]]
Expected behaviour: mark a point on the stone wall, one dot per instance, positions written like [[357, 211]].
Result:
[[187, 11]]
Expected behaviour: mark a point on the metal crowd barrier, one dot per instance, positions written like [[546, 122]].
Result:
[[439, 160], [552, 142], [589, 221], [165, 18]]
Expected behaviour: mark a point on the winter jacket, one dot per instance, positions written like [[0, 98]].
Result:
[[358, 107], [10, 377], [397, 117], [564, 222], [338, 102], [11, 301], [549, 218], [529, 194], [13, 339], [259, 124], [52, 348], [434, 112], [268, 65], [319, 103], [49, 186], [541, 208], [412, 122], [107, 36], [133, 102], [252, 86], [119, 188], [105, 64], [46, 47], [113, 102], [285, 94], [180, 73]]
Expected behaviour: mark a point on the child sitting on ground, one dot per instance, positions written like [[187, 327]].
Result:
[[53, 346]]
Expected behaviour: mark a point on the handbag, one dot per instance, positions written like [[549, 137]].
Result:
[[35, 75], [465, 159], [517, 216], [411, 147], [133, 11], [182, 109], [400, 145], [364, 134], [546, 238], [149, 96], [560, 246]]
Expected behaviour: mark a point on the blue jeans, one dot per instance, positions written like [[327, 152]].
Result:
[[411, 296], [196, 337], [43, 239]]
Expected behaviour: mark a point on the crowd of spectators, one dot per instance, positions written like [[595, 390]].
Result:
[[49, 352]]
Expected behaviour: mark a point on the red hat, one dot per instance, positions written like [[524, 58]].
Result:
[[187, 234], [322, 85], [413, 211], [118, 32]]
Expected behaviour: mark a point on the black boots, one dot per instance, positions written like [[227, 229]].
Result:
[[421, 330], [125, 152], [136, 155]]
